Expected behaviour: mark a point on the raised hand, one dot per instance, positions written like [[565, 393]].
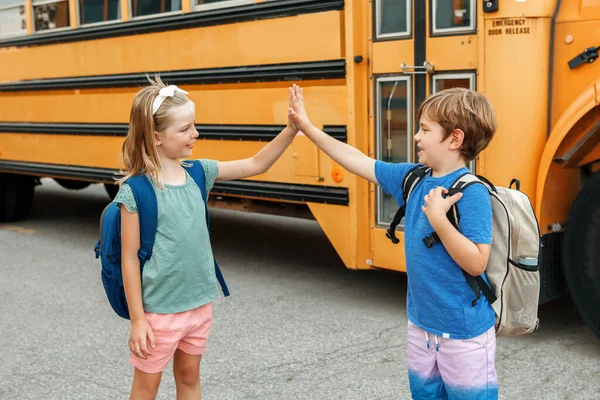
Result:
[[297, 111]]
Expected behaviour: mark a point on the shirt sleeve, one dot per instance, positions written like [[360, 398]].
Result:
[[475, 213], [390, 177], [211, 171], [125, 196]]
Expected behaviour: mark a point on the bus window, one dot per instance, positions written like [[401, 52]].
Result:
[[50, 14], [93, 11], [393, 138], [142, 8], [12, 18], [448, 81], [393, 18], [212, 4], [453, 16]]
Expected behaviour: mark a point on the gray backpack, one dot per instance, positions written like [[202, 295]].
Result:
[[512, 270]]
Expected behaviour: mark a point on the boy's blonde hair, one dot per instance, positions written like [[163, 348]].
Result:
[[139, 152], [463, 109]]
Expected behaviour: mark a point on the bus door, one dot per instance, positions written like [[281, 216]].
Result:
[[417, 48]]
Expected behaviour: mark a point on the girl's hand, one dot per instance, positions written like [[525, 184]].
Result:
[[140, 331], [297, 111], [291, 123], [436, 207]]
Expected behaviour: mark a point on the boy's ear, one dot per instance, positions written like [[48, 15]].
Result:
[[457, 138]]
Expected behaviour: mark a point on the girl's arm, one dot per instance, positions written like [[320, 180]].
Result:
[[261, 161], [132, 282], [347, 156]]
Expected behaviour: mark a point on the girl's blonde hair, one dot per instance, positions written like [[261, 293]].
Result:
[[139, 153]]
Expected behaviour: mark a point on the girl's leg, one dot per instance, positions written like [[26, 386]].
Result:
[[186, 369], [468, 367], [144, 386]]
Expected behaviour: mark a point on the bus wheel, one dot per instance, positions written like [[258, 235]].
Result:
[[16, 196], [111, 189], [582, 253], [71, 184]]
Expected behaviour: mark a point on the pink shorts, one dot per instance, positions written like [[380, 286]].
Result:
[[187, 331]]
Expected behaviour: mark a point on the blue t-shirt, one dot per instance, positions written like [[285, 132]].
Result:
[[439, 299]]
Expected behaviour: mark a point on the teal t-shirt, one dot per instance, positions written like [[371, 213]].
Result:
[[180, 275]]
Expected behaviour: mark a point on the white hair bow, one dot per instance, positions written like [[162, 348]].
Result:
[[168, 91]]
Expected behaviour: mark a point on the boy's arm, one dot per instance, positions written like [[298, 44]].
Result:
[[347, 156], [471, 257], [260, 162]]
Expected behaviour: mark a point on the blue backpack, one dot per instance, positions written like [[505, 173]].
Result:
[[108, 248]]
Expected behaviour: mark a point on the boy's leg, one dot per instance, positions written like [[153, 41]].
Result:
[[468, 367], [423, 374], [144, 386], [186, 370]]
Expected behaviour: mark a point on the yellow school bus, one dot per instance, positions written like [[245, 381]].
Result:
[[69, 70]]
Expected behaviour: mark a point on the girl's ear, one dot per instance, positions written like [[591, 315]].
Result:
[[157, 139], [457, 138]]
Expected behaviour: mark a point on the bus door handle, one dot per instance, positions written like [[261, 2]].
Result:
[[427, 68]]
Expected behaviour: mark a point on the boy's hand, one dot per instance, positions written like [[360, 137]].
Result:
[[297, 111], [140, 338], [436, 206]]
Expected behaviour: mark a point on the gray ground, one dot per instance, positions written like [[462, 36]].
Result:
[[298, 326]]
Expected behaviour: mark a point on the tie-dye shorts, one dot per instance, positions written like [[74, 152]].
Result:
[[452, 369]]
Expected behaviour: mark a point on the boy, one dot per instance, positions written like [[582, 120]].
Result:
[[451, 342]]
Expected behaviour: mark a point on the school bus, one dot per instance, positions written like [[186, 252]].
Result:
[[69, 70]]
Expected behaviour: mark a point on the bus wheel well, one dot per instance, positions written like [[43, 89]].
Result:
[[16, 196], [582, 253]]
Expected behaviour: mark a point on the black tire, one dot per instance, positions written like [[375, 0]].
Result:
[[582, 253], [16, 196], [72, 184], [111, 189]]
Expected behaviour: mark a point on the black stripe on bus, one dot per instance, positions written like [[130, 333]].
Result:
[[330, 69], [195, 19], [258, 189], [207, 131]]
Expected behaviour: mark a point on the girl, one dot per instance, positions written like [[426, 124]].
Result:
[[171, 305]]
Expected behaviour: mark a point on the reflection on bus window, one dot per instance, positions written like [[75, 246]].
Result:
[[453, 15], [50, 14], [443, 84], [91, 11], [150, 7], [393, 127], [392, 17], [12, 18]]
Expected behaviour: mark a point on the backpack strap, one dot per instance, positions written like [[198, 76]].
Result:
[[476, 283], [196, 171], [145, 200], [410, 181]]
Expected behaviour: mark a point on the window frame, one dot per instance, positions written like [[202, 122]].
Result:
[[221, 4], [157, 15], [92, 24], [379, 139], [35, 3], [472, 76], [394, 35], [472, 28], [10, 7]]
